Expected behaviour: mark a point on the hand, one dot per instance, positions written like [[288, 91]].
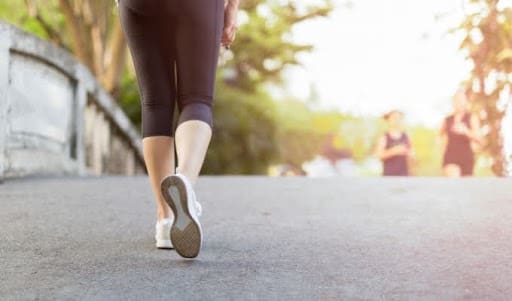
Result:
[[460, 128], [230, 20], [401, 149]]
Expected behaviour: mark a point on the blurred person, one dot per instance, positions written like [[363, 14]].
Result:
[[175, 47], [394, 148], [457, 133]]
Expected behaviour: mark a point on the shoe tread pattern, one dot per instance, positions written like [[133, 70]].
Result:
[[185, 240]]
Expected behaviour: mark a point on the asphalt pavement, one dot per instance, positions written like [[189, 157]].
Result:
[[91, 238]]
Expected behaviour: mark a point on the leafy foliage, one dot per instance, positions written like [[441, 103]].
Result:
[[88, 28], [488, 44], [252, 131], [264, 45], [244, 139]]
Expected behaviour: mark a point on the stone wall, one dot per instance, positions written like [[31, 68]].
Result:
[[55, 118]]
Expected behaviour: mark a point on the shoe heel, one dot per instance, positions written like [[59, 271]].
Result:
[[186, 234]]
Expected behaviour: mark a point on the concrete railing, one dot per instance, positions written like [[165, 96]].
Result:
[[54, 116]]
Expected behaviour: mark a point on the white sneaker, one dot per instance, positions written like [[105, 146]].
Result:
[[163, 233], [186, 232], [199, 208]]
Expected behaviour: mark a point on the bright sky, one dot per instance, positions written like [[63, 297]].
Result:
[[380, 55]]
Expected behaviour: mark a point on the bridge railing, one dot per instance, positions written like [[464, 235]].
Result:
[[54, 116]]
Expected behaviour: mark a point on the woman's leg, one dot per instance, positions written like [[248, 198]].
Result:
[[192, 140], [452, 170], [198, 31], [197, 49], [150, 38], [468, 167], [159, 158]]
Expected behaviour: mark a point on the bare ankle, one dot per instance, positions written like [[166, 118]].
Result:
[[190, 177], [162, 214]]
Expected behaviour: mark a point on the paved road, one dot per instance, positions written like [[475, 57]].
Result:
[[265, 239]]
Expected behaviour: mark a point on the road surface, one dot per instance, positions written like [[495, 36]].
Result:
[[91, 238]]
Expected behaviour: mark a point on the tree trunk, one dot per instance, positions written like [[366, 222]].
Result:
[[81, 48], [116, 60]]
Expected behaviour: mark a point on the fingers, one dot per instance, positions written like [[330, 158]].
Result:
[[228, 35], [230, 20]]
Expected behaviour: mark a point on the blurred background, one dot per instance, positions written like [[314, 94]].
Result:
[[304, 87]]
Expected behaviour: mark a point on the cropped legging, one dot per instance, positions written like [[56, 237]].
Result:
[[175, 47]]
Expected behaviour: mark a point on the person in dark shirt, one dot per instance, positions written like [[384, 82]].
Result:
[[458, 131], [394, 148]]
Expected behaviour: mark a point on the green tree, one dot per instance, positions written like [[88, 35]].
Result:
[[244, 140], [251, 130], [88, 28], [302, 132], [264, 46], [488, 43], [427, 159], [360, 135]]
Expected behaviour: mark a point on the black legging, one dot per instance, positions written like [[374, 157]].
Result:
[[162, 34]]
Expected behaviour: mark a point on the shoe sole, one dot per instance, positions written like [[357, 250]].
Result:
[[186, 234]]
